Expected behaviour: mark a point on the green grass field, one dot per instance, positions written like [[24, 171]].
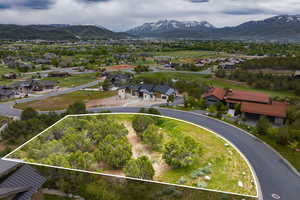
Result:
[[63, 101], [226, 167], [74, 80]]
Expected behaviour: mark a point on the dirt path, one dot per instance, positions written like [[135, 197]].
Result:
[[139, 149]]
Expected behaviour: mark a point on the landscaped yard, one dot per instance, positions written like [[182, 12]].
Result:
[[74, 80], [63, 101], [114, 143]]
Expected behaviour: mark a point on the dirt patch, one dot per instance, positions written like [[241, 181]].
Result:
[[120, 67], [140, 149], [233, 82], [116, 101]]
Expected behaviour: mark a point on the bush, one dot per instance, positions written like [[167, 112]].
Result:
[[77, 108], [153, 137], [140, 168], [263, 125], [140, 123], [29, 113], [181, 154]]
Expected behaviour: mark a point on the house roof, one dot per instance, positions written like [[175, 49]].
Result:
[[276, 109], [6, 167], [25, 176], [216, 92], [163, 89], [247, 96]]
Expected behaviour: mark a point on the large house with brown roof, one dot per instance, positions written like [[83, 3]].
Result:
[[253, 104]]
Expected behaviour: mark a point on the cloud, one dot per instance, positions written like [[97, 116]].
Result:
[[121, 15], [30, 4]]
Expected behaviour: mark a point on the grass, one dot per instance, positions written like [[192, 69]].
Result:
[[214, 82], [74, 80], [63, 101], [227, 166]]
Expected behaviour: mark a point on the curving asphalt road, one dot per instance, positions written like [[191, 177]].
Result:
[[274, 175], [6, 109]]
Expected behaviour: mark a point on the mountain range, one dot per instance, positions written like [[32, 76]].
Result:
[[56, 32], [279, 28], [284, 27]]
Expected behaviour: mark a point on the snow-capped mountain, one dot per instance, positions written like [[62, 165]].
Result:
[[283, 27], [165, 26]]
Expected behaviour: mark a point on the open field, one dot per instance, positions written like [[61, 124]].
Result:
[[217, 166], [63, 101], [213, 81], [74, 80]]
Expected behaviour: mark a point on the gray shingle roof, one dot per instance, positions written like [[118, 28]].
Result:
[[25, 176], [7, 166]]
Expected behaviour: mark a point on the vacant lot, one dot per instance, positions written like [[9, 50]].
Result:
[[217, 166], [74, 80], [63, 101]]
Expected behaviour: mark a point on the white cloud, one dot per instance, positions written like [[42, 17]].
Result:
[[123, 14]]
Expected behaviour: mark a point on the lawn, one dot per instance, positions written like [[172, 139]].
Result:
[[213, 81], [74, 80], [221, 165], [63, 101]]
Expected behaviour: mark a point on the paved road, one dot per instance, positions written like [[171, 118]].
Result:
[[7, 109], [274, 175]]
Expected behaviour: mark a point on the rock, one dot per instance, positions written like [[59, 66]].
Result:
[[207, 178], [240, 184]]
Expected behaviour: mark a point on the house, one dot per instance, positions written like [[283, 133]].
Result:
[[118, 79], [19, 181], [9, 76], [253, 104], [147, 92], [297, 74], [33, 85], [227, 65], [6, 93]]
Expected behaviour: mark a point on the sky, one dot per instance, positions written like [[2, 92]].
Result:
[[121, 15]]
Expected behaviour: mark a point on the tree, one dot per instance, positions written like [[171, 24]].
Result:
[[153, 111], [116, 152], [29, 113], [283, 135], [140, 168], [171, 99], [140, 123], [77, 108], [153, 137], [179, 154], [106, 85], [263, 125]]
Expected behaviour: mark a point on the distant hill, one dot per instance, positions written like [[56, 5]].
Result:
[[284, 27], [56, 32]]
